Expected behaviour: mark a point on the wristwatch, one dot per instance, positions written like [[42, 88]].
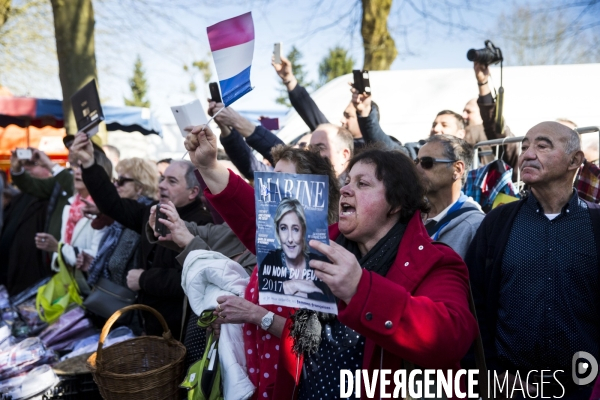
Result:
[[267, 320]]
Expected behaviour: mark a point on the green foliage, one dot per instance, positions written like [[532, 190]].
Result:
[[295, 57], [139, 86], [336, 63], [202, 66]]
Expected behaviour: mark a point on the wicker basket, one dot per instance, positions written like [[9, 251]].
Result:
[[143, 368]]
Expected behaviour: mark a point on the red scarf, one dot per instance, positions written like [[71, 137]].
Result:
[[75, 214], [262, 348]]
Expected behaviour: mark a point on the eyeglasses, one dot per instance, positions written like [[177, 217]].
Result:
[[427, 162], [122, 180]]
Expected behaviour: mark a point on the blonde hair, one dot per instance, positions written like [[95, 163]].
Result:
[[144, 172]]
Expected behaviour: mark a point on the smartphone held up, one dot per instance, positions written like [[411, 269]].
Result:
[[361, 81], [24, 154], [277, 53], [215, 94], [160, 227]]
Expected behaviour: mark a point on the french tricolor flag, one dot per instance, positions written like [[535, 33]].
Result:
[[232, 45]]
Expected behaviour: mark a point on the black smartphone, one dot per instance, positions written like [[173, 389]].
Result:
[[215, 94], [361, 81], [159, 226]]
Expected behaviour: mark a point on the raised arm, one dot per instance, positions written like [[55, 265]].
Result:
[[40, 188], [257, 137], [487, 109], [128, 212], [304, 105], [231, 196], [368, 122]]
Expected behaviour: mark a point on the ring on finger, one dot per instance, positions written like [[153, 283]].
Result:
[[221, 315]]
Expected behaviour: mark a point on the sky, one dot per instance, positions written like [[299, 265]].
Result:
[[167, 35]]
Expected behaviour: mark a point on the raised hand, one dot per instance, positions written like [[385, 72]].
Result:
[[285, 72], [342, 274], [482, 72], [180, 234], [361, 101], [83, 150], [201, 143], [16, 165], [152, 222], [42, 158]]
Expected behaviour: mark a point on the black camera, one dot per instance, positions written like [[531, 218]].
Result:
[[490, 54]]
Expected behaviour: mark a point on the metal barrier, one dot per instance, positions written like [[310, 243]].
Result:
[[497, 143]]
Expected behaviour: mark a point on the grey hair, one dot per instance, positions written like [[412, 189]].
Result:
[[190, 177], [455, 149], [287, 205], [573, 142]]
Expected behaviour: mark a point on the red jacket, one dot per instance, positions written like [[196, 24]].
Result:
[[424, 296]]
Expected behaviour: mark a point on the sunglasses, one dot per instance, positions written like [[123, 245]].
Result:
[[122, 180], [428, 162]]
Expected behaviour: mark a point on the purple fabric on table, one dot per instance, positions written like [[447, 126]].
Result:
[[69, 343], [65, 321], [71, 333], [217, 219]]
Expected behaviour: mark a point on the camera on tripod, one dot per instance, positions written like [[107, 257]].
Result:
[[489, 55]]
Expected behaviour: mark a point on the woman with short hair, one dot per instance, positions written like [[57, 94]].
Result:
[[401, 298]]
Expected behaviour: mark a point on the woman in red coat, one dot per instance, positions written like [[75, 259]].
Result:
[[401, 297]]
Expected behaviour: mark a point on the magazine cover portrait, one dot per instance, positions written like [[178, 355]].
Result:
[[291, 210]]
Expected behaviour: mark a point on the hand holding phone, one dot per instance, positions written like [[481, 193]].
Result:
[[215, 94], [160, 227], [361, 81], [24, 154]]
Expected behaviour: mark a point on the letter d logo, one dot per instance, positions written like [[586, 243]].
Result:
[[583, 368]]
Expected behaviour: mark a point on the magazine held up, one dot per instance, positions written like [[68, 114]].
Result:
[[291, 210]]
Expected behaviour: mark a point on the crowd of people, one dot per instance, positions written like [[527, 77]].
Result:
[[413, 230]]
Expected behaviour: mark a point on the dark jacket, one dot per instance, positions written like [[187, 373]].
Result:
[[263, 140], [306, 107], [219, 238], [21, 263], [308, 110], [241, 155], [56, 189], [509, 152], [372, 132], [161, 281], [484, 260]]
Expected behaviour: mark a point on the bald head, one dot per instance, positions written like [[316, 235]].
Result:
[[471, 113], [562, 133], [551, 155], [335, 143]]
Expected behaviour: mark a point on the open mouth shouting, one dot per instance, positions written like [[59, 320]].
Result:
[[346, 209]]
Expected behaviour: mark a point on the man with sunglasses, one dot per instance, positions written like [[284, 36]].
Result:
[[454, 218]]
